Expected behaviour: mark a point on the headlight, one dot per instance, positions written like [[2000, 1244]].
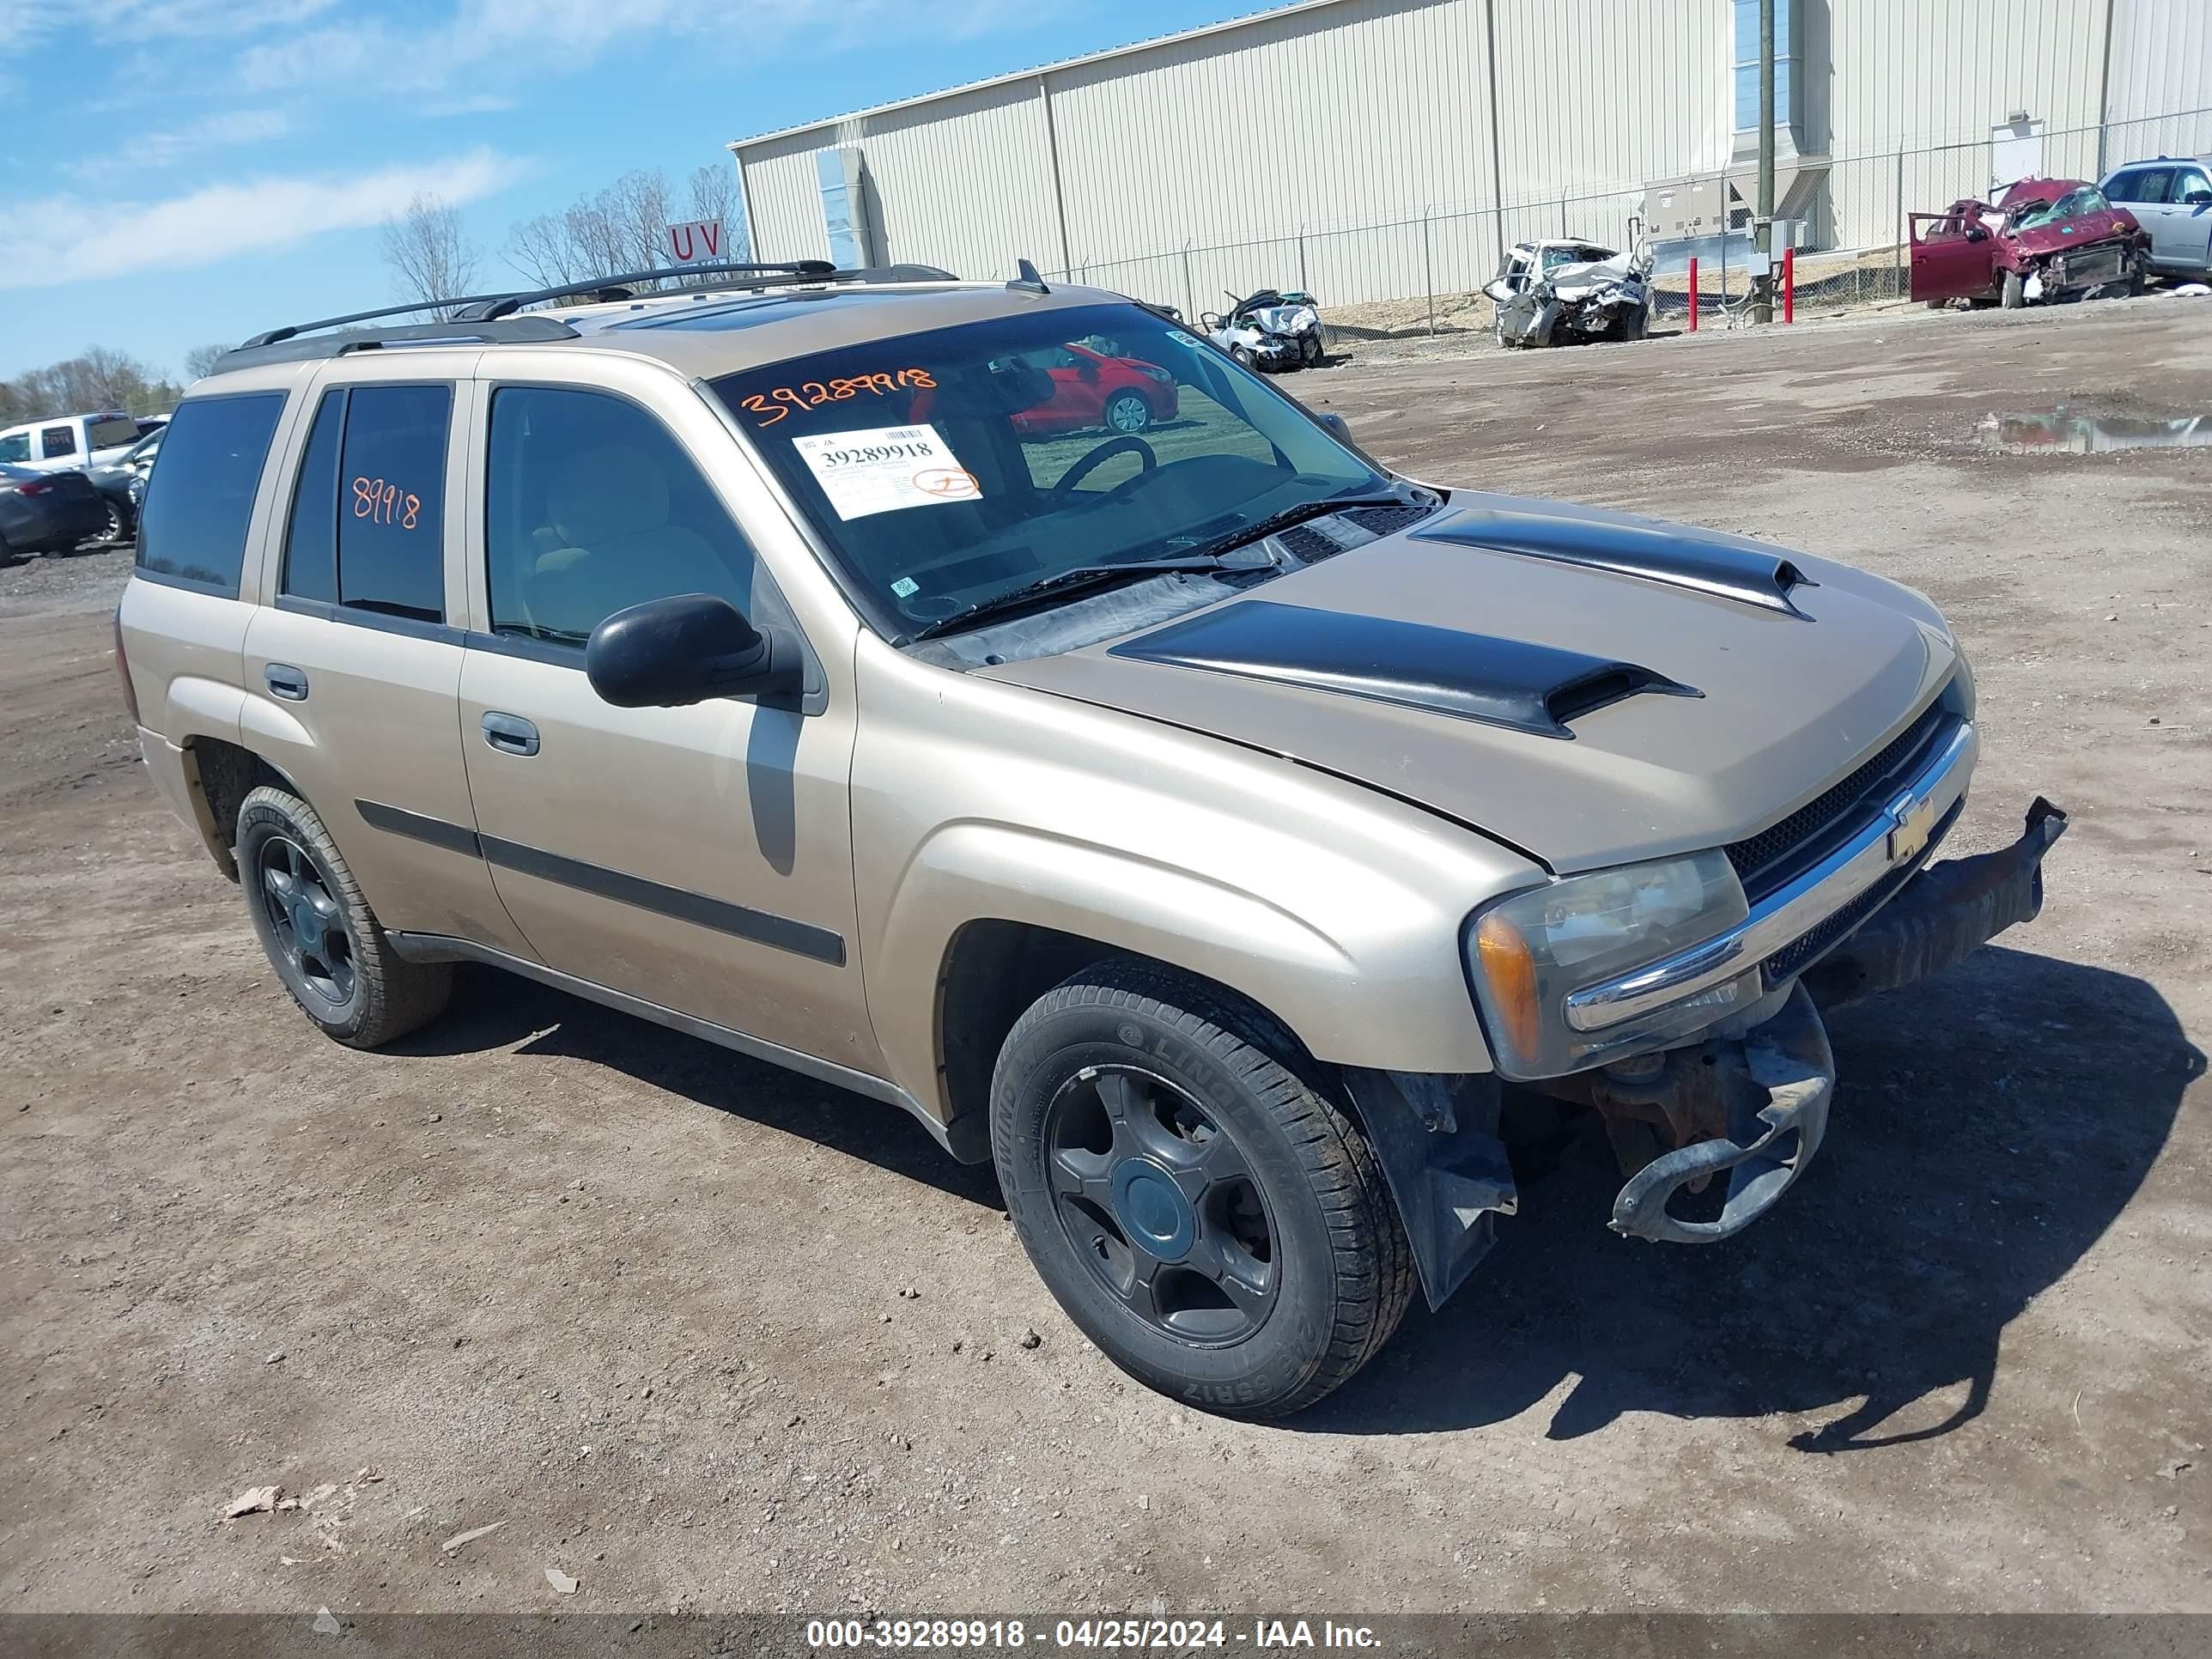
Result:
[[1525, 953]]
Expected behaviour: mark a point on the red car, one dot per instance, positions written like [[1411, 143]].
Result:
[[1089, 388], [2044, 238]]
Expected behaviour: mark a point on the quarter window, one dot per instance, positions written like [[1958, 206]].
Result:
[[391, 500], [592, 506], [197, 507]]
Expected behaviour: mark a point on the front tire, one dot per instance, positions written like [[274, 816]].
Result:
[[1190, 1195], [1244, 355], [2016, 292], [319, 934]]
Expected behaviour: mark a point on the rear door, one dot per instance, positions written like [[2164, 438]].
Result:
[[697, 858], [2143, 193], [352, 672]]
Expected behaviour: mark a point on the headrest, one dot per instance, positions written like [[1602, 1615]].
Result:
[[611, 491]]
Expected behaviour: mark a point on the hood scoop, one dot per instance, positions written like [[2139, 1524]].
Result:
[[1662, 553], [1536, 688]]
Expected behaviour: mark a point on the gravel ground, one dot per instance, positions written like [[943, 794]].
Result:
[[707, 1336]]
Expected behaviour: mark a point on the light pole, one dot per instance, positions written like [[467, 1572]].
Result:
[[1762, 229]]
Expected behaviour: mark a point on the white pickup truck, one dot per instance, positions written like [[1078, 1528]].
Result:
[[69, 440]]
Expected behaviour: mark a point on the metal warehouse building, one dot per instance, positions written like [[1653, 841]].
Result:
[[1369, 149]]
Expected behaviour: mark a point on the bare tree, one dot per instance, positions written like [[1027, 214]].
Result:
[[429, 252], [714, 196], [201, 360], [99, 378]]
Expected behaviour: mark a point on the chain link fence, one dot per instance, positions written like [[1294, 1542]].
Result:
[[1424, 276]]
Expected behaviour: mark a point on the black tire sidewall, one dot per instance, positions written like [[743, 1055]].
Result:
[[1274, 1362], [264, 817]]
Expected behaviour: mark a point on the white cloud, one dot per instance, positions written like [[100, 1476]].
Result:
[[62, 239], [190, 18], [165, 147]]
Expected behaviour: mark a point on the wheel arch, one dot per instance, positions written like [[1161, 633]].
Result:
[[219, 775]]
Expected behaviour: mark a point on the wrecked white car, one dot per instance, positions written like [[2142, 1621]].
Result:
[[1548, 292], [1270, 329]]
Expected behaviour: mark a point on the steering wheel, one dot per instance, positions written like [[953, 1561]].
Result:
[[1106, 452]]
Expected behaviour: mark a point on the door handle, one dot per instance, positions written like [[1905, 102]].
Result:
[[286, 682], [510, 734]]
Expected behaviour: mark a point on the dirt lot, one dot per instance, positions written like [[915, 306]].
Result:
[[706, 1335]]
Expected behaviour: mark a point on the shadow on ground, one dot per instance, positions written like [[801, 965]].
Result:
[[1989, 1125], [494, 1009]]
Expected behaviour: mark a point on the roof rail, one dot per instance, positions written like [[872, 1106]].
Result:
[[286, 345], [617, 287]]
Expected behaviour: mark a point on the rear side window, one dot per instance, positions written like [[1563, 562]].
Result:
[[391, 500], [192, 526], [592, 506], [311, 539], [58, 441], [2145, 185]]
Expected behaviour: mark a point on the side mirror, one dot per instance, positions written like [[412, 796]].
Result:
[[2197, 199], [1086, 368], [1976, 234], [1336, 425], [668, 652]]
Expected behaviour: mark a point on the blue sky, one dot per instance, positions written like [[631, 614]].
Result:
[[176, 172]]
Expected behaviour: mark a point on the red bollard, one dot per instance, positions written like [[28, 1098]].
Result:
[[1788, 284], [1693, 296]]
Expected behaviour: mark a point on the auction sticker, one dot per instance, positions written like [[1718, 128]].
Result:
[[881, 469]]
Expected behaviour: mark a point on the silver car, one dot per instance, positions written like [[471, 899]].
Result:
[[2171, 198]]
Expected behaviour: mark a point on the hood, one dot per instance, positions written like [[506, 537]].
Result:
[[2070, 232], [1587, 687]]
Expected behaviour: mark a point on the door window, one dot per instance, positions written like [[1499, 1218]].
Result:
[[592, 506], [16, 446], [2145, 185], [2192, 188], [193, 525], [391, 500], [311, 539], [58, 441]]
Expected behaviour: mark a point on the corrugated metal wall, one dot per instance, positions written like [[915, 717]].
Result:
[[1286, 130]]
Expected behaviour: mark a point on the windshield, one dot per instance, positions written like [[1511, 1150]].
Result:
[[946, 469]]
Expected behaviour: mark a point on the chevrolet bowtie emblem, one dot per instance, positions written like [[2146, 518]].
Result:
[[1911, 821]]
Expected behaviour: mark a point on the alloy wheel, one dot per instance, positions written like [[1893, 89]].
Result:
[[1161, 1205], [306, 920]]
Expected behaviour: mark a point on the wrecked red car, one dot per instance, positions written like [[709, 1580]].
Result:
[[2044, 238]]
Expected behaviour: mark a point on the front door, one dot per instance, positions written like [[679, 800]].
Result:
[[2187, 246], [1951, 255], [697, 858], [353, 675]]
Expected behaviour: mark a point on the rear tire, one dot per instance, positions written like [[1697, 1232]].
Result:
[[326, 944], [1128, 411], [1136, 1103]]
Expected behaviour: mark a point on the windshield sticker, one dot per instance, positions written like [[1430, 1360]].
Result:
[[886, 468], [905, 587], [1181, 338], [769, 407]]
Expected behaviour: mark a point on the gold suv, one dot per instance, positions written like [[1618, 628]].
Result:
[[995, 700]]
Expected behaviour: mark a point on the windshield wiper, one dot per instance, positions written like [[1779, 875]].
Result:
[[1083, 576], [1261, 529]]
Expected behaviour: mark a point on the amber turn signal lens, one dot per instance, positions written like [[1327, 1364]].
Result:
[[1510, 969]]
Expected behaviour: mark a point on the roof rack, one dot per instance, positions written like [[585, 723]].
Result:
[[619, 288], [491, 317]]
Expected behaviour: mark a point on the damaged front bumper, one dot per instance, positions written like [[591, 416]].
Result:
[[1755, 1109]]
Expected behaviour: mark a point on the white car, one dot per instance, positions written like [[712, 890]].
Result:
[[1550, 291], [2171, 198], [69, 440]]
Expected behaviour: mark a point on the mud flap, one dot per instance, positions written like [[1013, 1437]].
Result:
[[1946, 911], [1436, 1137]]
